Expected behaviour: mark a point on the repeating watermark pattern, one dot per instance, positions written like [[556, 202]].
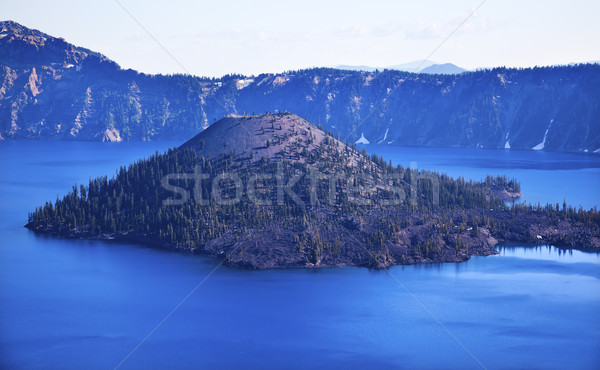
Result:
[[277, 188], [399, 195]]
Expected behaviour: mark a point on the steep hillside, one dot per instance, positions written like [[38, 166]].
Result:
[[280, 136], [50, 89]]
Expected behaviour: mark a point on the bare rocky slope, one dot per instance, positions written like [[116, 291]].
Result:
[[50, 89]]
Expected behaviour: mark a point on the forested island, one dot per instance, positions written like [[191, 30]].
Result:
[[274, 191]]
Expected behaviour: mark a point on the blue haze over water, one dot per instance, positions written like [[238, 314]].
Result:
[[87, 304]]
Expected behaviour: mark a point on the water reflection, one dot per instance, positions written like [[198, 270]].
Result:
[[548, 253]]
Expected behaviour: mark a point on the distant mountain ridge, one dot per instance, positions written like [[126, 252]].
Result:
[[418, 66], [50, 89], [445, 69]]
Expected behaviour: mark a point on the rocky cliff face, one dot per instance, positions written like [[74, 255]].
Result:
[[50, 89]]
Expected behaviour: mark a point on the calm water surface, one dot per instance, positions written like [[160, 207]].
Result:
[[87, 304]]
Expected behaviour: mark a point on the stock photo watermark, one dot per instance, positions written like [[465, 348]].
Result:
[[312, 187]]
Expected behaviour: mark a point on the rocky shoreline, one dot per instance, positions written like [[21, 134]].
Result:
[[280, 246]]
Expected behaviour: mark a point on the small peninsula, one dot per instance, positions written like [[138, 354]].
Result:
[[274, 191]]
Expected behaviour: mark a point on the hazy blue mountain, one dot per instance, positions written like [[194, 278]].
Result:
[[415, 67], [50, 89], [444, 69]]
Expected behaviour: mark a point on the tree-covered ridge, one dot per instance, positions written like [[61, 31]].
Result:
[[336, 206], [52, 90]]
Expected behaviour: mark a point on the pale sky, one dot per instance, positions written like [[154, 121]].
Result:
[[213, 38]]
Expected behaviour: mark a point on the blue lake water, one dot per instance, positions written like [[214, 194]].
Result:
[[87, 304]]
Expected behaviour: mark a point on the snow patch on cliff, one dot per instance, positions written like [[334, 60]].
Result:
[[240, 84], [362, 140], [541, 145], [384, 136]]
